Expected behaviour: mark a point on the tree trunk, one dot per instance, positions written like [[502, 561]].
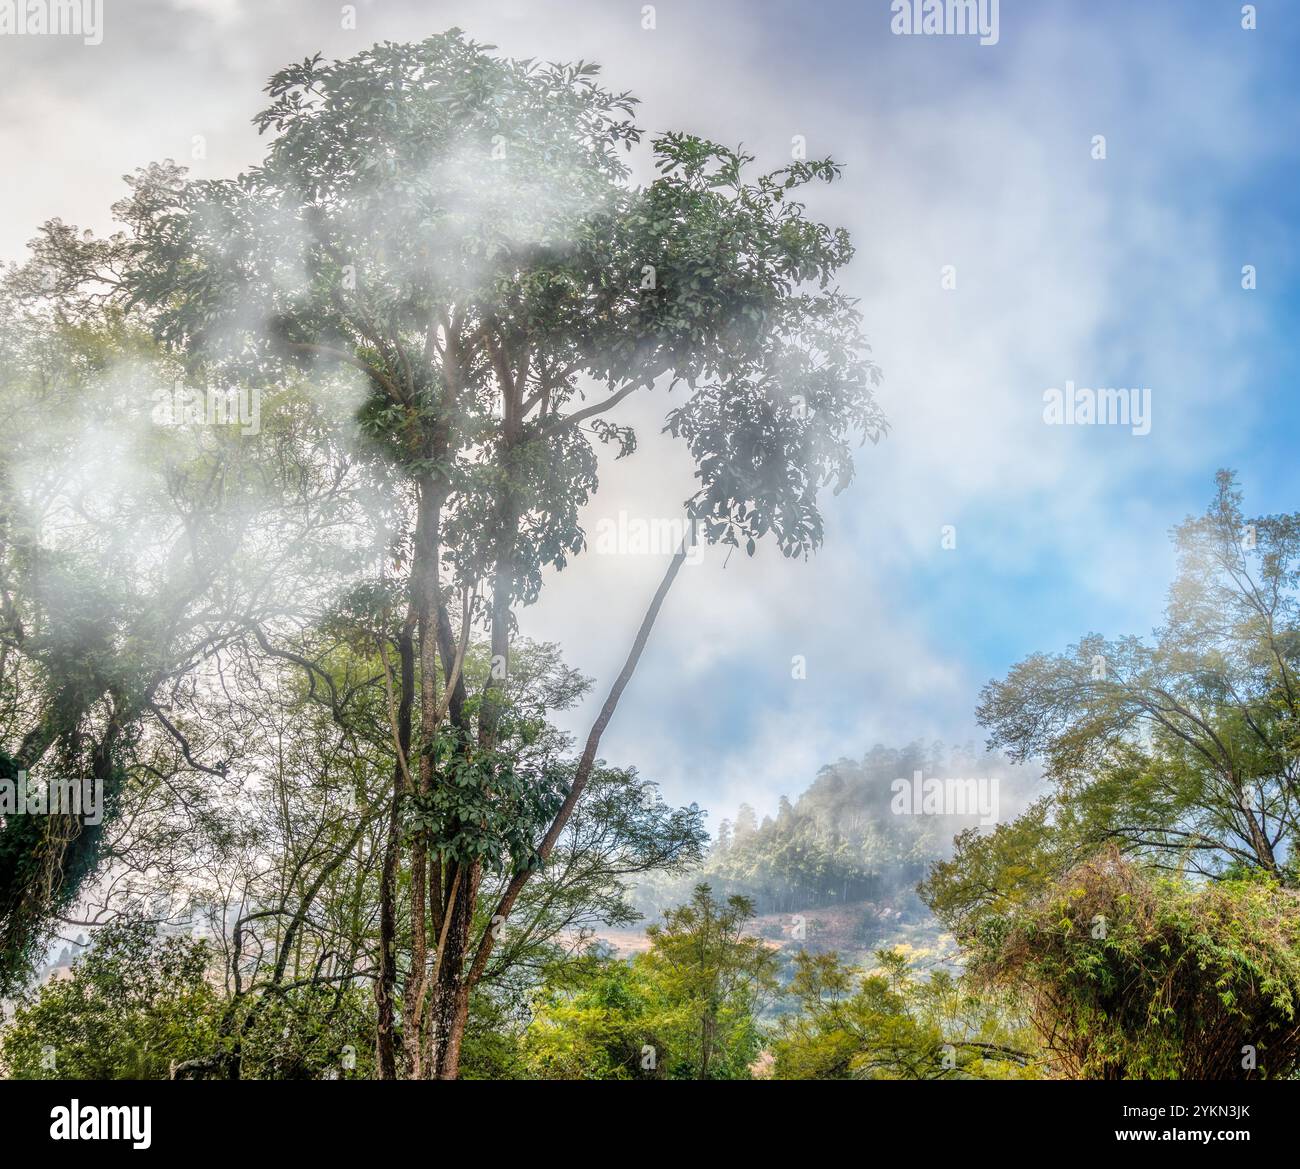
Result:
[[449, 1007], [386, 982], [425, 601]]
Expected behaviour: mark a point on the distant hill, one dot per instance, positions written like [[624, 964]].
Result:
[[849, 851]]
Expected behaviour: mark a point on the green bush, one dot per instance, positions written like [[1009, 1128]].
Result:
[[134, 1005], [1131, 976]]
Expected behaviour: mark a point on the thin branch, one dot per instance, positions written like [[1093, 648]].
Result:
[[587, 761]]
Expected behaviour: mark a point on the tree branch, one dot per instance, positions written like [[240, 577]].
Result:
[[585, 764]]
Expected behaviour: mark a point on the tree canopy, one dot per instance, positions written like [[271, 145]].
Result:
[[444, 255]]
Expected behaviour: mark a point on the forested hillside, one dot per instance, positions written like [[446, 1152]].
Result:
[[841, 840]]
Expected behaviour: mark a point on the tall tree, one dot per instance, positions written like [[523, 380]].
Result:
[[1183, 748], [460, 232]]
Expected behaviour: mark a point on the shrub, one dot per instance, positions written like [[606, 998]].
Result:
[[1130, 976]]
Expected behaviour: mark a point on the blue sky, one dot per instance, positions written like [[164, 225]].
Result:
[[1119, 272]]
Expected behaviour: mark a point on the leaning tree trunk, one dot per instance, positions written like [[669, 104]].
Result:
[[453, 980]]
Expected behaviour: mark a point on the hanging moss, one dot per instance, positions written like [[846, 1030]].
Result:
[[44, 861]]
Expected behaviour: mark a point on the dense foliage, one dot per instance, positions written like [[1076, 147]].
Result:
[[1127, 976], [132, 1007], [687, 1008], [889, 1023]]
